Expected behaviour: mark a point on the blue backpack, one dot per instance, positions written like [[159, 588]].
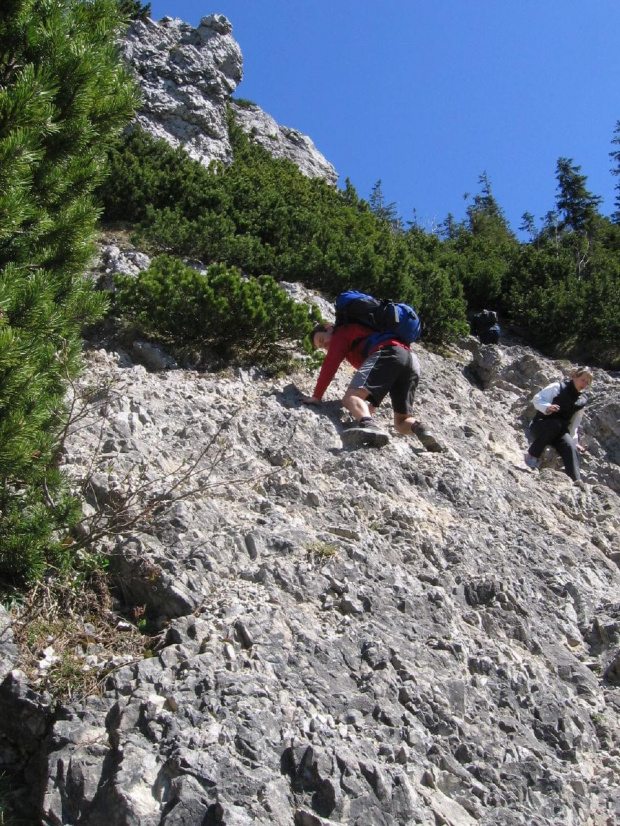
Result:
[[387, 319]]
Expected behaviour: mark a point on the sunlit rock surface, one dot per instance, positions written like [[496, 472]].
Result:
[[347, 636], [187, 76]]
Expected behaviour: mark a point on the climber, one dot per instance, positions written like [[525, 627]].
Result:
[[559, 412], [390, 367]]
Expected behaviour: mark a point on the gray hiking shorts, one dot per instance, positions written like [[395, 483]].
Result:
[[394, 370]]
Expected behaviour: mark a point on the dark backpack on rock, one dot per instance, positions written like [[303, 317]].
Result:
[[486, 318], [386, 318], [485, 326]]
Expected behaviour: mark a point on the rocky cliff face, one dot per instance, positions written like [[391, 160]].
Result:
[[283, 142], [347, 636], [187, 77]]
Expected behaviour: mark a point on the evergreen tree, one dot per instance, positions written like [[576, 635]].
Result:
[[63, 96], [544, 295], [486, 217], [449, 228], [550, 232], [482, 250], [442, 306], [615, 154], [349, 194], [385, 212], [134, 9], [528, 225], [578, 208]]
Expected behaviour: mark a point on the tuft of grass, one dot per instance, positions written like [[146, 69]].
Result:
[[70, 638], [321, 551], [440, 349]]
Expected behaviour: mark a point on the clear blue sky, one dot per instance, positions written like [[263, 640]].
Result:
[[426, 96]]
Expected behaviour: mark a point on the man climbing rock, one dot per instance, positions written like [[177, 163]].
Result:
[[388, 368]]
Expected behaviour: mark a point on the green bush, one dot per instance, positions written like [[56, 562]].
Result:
[[241, 319], [35, 527], [567, 303], [442, 306], [64, 96], [263, 216], [135, 9]]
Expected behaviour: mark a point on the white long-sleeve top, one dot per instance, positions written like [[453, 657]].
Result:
[[545, 397]]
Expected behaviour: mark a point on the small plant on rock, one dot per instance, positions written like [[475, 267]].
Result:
[[321, 551]]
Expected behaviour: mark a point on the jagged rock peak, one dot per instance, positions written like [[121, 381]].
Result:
[[187, 76]]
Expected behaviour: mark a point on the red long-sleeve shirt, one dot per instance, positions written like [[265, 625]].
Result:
[[347, 342]]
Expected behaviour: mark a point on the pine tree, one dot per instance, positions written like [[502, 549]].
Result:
[[63, 96], [349, 194], [577, 206], [134, 9], [486, 217], [528, 224], [484, 245], [449, 228], [615, 154], [386, 212]]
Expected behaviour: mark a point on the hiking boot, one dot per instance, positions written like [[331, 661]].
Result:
[[530, 461], [364, 433], [428, 440]]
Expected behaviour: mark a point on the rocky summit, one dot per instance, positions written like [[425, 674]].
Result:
[[365, 637], [187, 76]]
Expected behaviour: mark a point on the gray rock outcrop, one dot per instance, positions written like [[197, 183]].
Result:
[[349, 637], [187, 76], [283, 142]]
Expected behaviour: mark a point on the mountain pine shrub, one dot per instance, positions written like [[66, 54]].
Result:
[[263, 216], [63, 97], [135, 9], [240, 319]]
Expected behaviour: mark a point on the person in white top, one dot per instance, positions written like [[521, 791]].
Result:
[[559, 409]]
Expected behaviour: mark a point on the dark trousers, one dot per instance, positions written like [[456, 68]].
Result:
[[553, 432]]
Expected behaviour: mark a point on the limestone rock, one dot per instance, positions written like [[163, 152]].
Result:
[[187, 76], [283, 142], [8, 649], [346, 636]]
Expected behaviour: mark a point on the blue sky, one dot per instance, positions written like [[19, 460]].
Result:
[[427, 96]]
